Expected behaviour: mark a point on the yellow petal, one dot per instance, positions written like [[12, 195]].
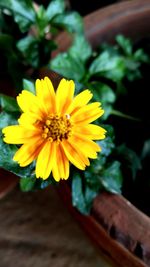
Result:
[[74, 155], [45, 92], [61, 165], [17, 134], [85, 146], [27, 120], [45, 160], [91, 131], [30, 103], [64, 95], [87, 113], [79, 101], [28, 152]]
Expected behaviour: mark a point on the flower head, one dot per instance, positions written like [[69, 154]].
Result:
[[55, 129]]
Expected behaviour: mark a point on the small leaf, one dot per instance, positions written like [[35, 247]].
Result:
[[90, 194], [141, 56], [7, 119], [91, 175], [8, 104], [80, 48], [54, 8], [23, 11], [41, 184], [41, 20], [7, 163], [96, 167], [104, 94], [111, 178], [27, 184], [146, 149], [125, 44], [78, 200], [67, 66], [106, 65], [29, 86], [107, 145], [28, 46], [130, 159], [31, 183], [72, 22]]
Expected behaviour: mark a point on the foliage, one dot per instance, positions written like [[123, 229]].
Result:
[[30, 40], [106, 72]]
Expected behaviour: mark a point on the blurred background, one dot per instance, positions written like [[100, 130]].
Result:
[[85, 7]]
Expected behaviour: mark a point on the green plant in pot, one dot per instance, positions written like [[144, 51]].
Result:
[[26, 47], [112, 74]]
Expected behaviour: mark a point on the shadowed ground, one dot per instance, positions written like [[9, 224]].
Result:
[[37, 230]]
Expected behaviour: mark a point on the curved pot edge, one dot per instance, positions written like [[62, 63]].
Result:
[[104, 232], [116, 19]]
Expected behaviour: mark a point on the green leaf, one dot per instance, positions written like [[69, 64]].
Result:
[[146, 149], [67, 66], [104, 94], [106, 65], [125, 44], [27, 184], [28, 46], [72, 22], [23, 11], [107, 145], [29, 86], [54, 8], [32, 183], [8, 104], [80, 48], [7, 119], [41, 184], [41, 21], [90, 194], [129, 158], [141, 56], [111, 178], [78, 199], [7, 163], [90, 174]]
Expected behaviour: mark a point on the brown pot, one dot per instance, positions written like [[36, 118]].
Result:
[[115, 225]]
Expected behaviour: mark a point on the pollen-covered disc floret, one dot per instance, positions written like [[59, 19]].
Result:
[[55, 129]]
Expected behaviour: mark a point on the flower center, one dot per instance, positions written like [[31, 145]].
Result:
[[57, 128]]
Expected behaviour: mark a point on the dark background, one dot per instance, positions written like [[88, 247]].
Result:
[[82, 7]]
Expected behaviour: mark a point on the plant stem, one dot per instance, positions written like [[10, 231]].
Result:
[[123, 115]]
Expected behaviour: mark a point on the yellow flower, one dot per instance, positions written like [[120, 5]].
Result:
[[55, 128]]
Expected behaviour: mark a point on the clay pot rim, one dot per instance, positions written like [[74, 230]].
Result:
[[117, 18]]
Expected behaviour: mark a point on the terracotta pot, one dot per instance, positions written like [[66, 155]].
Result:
[[115, 225]]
